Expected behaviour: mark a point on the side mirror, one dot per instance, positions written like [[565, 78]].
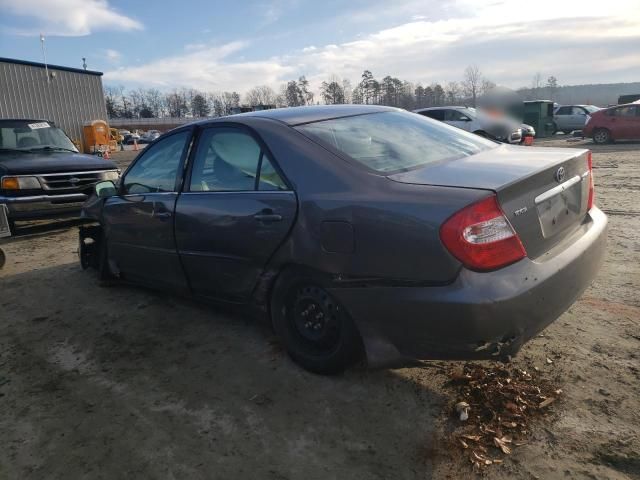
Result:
[[106, 189]]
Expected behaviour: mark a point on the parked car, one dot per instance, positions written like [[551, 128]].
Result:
[[136, 139], [41, 172], [357, 227], [621, 122], [475, 121], [150, 136], [567, 118]]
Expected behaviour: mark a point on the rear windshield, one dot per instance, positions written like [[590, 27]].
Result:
[[390, 142]]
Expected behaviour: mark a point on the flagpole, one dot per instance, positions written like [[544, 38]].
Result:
[[44, 56]]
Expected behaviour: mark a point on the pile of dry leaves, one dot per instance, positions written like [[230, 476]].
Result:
[[494, 407]]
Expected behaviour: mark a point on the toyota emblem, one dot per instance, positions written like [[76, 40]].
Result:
[[560, 175]]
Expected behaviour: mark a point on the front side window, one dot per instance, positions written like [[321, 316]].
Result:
[[564, 111], [231, 160], [157, 169], [394, 141], [628, 111]]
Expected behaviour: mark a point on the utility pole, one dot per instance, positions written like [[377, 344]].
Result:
[[44, 57], [84, 63]]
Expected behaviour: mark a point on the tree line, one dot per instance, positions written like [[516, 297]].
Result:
[[388, 90]]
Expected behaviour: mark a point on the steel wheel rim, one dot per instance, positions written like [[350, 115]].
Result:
[[315, 320]]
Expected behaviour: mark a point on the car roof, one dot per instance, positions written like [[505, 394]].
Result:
[[453, 107], [299, 115]]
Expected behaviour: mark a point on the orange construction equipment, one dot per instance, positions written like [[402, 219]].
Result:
[[96, 136]]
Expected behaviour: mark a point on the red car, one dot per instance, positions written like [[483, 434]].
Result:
[[621, 122]]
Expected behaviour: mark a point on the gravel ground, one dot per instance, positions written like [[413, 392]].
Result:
[[124, 382]]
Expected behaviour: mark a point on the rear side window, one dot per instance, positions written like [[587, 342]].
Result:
[[455, 116], [231, 160], [564, 111], [435, 114], [391, 142]]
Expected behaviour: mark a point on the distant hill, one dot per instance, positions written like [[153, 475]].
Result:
[[599, 94]]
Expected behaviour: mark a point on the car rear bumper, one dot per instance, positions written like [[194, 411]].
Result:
[[479, 315], [38, 206]]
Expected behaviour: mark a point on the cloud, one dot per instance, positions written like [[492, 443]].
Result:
[[68, 17], [577, 45], [203, 68], [113, 56]]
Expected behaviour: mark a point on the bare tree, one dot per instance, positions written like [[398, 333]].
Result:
[[453, 92], [472, 82], [536, 81], [261, 95], [487, 86]]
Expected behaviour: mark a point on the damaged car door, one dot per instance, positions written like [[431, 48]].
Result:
[[138, 221], [234, 212]]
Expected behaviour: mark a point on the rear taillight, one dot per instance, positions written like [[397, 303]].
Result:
[[481, 237], [592, 189]]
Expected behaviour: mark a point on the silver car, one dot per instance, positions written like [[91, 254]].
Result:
[[476, 121], [568, 118]]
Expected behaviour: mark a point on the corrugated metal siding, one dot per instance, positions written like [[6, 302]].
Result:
[[70, 99]]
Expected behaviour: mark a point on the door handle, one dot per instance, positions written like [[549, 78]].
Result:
[[159, 211], [267, 216]]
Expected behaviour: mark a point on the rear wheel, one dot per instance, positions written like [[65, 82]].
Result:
[[601, 136], [3, 258], [317, 332]]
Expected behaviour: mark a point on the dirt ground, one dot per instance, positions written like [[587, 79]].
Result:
[[123, 382]]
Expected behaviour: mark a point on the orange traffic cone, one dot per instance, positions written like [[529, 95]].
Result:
[[135, 145]]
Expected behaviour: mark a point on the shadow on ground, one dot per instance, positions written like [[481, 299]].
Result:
[[123, 382]]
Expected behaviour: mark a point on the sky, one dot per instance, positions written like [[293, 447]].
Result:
[[219, 45]]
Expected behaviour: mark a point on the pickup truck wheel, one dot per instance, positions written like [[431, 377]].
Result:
[[601, 136], [317, 332]]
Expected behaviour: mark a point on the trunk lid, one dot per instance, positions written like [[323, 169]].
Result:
[[542, 191]]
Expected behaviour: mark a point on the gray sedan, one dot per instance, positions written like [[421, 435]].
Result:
[[360, 231]]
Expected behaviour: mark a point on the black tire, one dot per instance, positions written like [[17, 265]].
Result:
[[555, 129], [316, 330], [601, 136], [3, 258]]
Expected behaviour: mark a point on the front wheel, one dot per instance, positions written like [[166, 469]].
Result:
[[317, 332], [601, 136]]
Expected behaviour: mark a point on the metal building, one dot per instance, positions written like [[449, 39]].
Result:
[[69, 98]]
